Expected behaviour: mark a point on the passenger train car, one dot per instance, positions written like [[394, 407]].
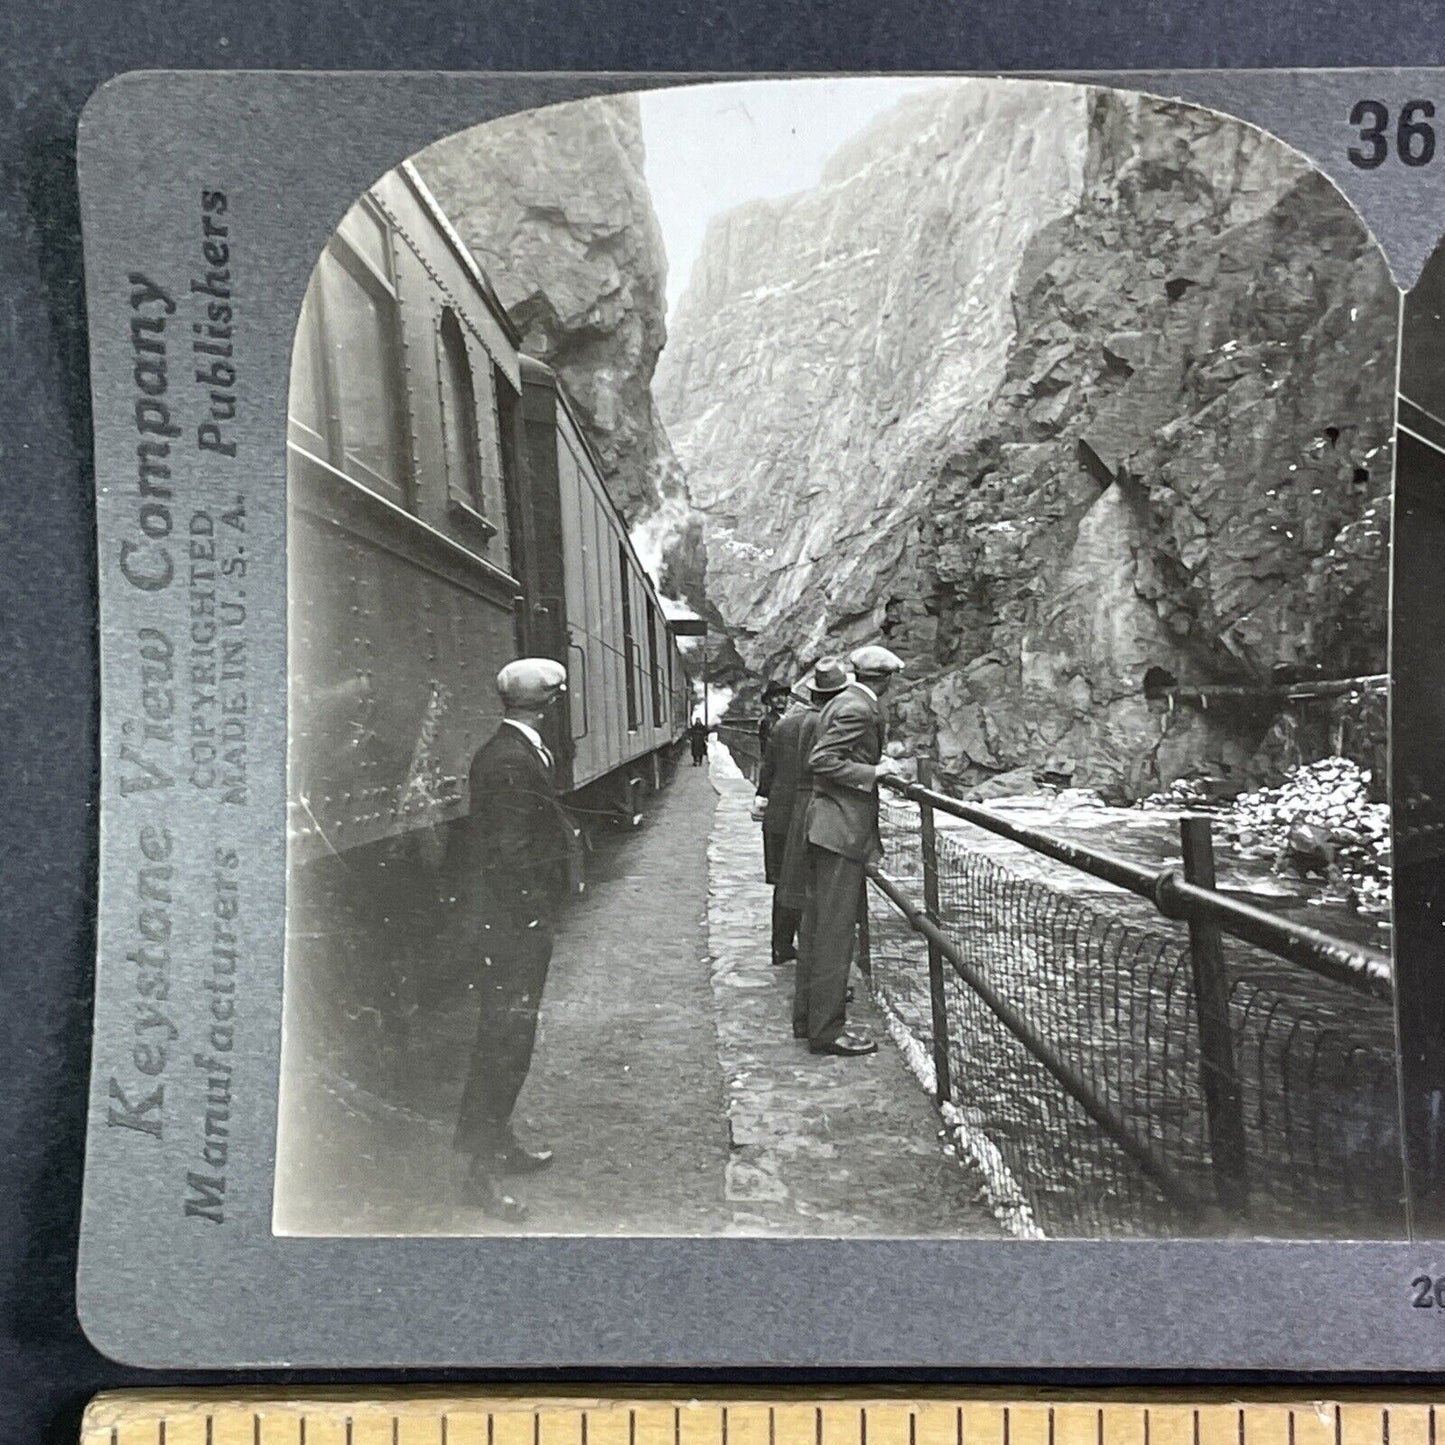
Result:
[[446, 514]]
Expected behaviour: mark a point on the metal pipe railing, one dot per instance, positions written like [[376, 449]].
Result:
[[1355, 965], [1169, 1184]]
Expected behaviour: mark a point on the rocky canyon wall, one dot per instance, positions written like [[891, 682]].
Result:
[[555, 207], [1053, 390]]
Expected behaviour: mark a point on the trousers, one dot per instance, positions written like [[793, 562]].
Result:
[[787, 923], [830, 931], [511, 975]]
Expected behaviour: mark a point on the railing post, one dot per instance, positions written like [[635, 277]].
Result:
[[938, 999], [1223, 1106]]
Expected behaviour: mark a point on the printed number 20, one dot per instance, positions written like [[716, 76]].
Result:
[[1414, 138], [1429, 1293]]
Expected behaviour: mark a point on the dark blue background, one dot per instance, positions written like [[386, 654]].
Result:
[[51, 57]]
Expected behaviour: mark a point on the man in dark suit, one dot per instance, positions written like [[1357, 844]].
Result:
[[697, 735], [777, 788], [846, 762], [513, 871], [775, 707]]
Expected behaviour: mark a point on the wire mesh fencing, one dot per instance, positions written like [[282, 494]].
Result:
[[1071, 1051]]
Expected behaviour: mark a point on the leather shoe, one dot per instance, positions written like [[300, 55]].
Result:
[[846, 1046], [484, 1191], [516, 1158]]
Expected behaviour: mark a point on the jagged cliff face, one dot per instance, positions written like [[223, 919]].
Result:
[[1048, 388], [554, 205]]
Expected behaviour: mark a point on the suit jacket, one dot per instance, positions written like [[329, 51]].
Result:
[[843, 813], [778, 776], [515, 839]]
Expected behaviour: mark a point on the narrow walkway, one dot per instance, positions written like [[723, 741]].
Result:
[[625, 1084], [821, 1145], [666, 1076]]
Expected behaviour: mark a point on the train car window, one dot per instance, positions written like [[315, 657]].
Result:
[[629, 641], [366, 231], [459, 418], [309, 416], [501, 479], [652, 670], [362, 345]]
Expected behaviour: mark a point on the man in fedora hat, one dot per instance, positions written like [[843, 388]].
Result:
[[775, 706], [781, 792], [846, 763], [514, 849]]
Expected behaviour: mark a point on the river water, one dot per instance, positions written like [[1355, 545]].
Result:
[[1150, 838]]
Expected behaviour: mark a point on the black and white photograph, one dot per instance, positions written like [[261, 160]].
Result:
[[838, 653]]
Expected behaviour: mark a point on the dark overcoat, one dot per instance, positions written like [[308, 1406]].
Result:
[[792, 886], [778, 776]]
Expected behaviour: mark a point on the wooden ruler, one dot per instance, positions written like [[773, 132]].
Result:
[[783, 1417]]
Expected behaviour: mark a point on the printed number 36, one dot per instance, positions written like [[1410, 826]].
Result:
[[1414, 138]]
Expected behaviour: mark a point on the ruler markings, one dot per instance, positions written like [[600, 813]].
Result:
[[151, 1418]]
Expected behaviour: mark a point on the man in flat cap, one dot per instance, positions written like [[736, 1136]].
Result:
[[513, 870], [846, 763], [781, 788]]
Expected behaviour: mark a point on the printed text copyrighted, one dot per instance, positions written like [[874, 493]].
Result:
[[185, 725]]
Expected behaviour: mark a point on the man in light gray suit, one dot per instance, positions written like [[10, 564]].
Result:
[[846, 763]]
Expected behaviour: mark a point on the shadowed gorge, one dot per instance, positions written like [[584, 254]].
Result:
[[1054, 390]]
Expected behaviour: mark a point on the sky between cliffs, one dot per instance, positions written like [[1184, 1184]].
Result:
[[712, 147]]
